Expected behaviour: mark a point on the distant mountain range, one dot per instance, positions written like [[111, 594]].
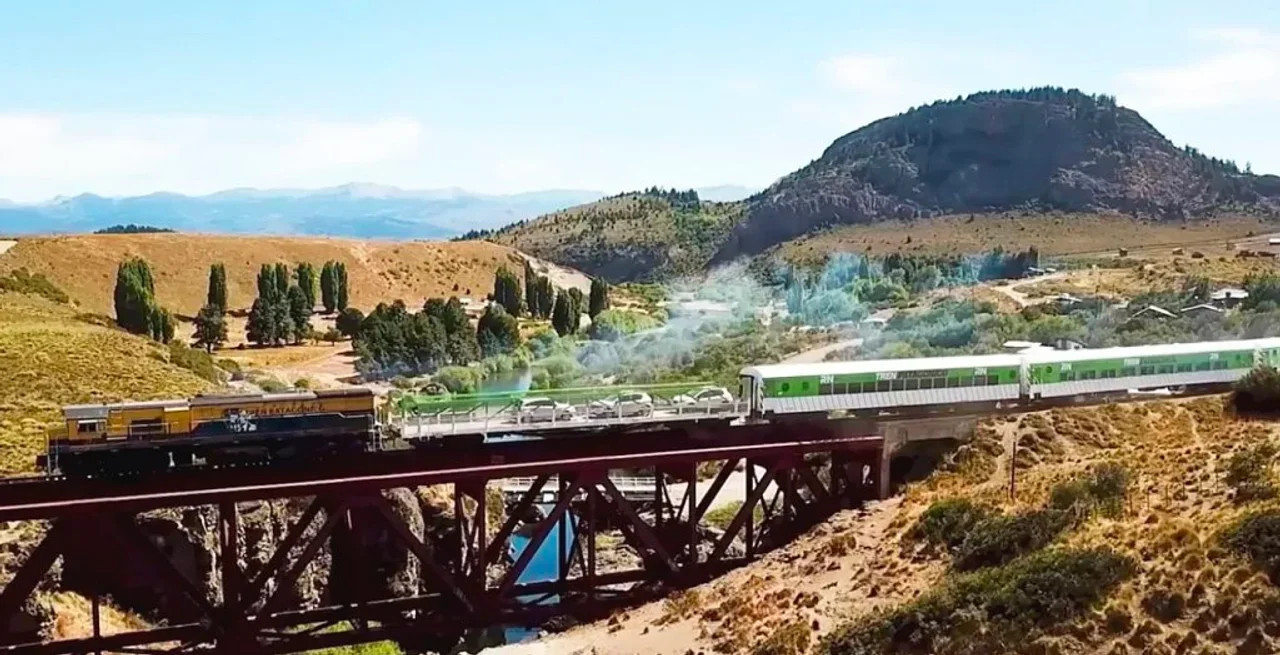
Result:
[[353, 210]]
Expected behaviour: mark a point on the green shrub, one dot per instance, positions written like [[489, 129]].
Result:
[[26, 282], [1257, 537], [1258, 392], [195, 360], [611, 324], [946, 522], [1109, 485], [1249, 472], [458, 379], [999, 539], [1104, 490], [271, 385], [992, 611], [790, 638], [1071, 496]]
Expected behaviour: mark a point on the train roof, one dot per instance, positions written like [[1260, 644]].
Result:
[[88, 411], [1157, 350], [875, 365]]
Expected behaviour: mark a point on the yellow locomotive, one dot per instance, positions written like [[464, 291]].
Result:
[[150, 435]]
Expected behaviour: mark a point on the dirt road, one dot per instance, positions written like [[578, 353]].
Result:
[[820, 353], [1010, 288]]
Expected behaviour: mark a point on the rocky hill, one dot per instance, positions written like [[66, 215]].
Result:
[[85, 266], [1043, 148], [633, 236], [1030, 152]]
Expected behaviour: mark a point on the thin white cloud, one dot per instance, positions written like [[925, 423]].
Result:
[[42, 155], [864, 73], [1243, 68]]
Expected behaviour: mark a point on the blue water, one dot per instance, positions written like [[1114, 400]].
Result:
[[544, 566], [509, 381]]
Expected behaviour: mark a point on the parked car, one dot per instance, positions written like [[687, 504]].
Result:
[[543, 409], [706, 398], [625, 404]]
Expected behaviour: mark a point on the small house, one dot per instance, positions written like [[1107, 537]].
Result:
[[1153, 311], [1228, 297], [1202, 309]]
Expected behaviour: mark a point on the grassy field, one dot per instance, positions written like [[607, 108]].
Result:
[[85, 266], [50, 356], [1052, 233]]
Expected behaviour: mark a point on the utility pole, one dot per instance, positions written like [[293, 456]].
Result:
[[1013, 467]]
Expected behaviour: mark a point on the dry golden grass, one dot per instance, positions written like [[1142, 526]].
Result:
[[1121, 283], [49, 358], [85, 266], [1188, 590], [73, 618], [1053, 233]]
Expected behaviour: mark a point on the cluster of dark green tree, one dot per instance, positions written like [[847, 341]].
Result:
[[136, 308], [848, 286], [393, 341], [333, 286], [211, 320], [131, 229], [540, 299], [281, 313]]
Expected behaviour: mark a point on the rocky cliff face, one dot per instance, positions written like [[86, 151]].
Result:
[[1045, 148]]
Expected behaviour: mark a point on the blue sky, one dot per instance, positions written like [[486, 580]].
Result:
[[123, 98]]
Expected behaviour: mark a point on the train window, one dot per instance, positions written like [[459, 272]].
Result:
[[87, 426], [882, 385], [1068, 376], [826, 389], [926, 383], [899, 384], [1183, 368], [913, 384], [953, 383], [1164, 370], [993, 380], [1219, 365], [1148, 370], [1202, 366], [1128, 372]]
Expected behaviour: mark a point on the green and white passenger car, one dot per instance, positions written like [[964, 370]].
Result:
[[996, 379]]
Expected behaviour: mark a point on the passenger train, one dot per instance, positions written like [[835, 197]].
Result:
[[1032, 375], [259, 428]]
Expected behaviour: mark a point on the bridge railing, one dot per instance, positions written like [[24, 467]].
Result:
[[431, 416]]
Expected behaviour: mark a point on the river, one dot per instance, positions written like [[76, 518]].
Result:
[[518, 380]]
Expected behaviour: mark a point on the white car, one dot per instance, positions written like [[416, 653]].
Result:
[[543, 409], [625, 404], [706, 398]]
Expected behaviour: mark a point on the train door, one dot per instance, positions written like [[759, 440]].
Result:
[[749, 393]]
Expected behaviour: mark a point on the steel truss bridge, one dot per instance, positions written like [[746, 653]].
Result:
[[795, 475]]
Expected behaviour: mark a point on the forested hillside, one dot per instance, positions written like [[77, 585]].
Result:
[[632, 236], [1030, 151]]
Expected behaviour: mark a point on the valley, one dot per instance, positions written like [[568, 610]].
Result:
[[953, 230]]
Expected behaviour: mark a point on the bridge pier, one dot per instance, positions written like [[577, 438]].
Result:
[[352, 509]]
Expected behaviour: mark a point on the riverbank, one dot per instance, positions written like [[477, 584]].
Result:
[[832, 572]]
